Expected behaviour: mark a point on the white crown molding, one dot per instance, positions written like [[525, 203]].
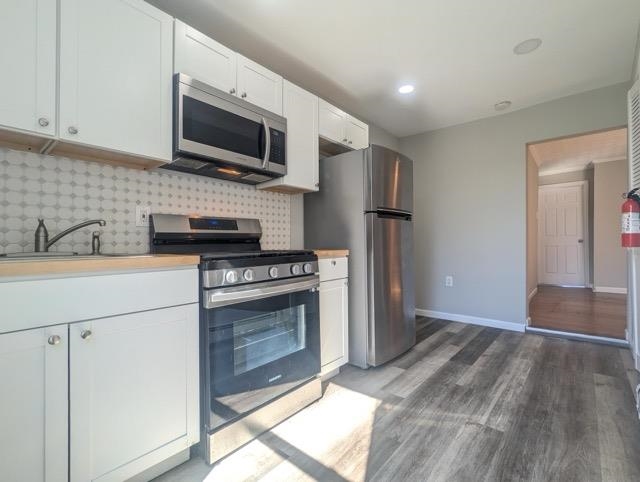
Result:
[[563, 170], [610, 159], [472, 320]]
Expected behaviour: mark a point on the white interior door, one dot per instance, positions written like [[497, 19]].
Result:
[[561, 229]]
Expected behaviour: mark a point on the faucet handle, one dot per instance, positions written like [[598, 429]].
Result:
[[95, 242]]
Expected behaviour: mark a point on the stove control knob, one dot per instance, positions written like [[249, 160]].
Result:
[[231, 277], [273, 271], [248, 274], [295, 269], [307, 268]]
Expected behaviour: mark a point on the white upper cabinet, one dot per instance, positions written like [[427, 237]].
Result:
[[116, 76], [28, 54], [259, 85], [204, 59], [332, 122], [34, 408], [208, 61], [357, 133], [300, 108], [337, 126]]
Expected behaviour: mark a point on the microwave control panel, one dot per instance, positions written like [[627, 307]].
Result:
[[277, 153]]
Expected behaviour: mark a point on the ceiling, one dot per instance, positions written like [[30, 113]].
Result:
[[573, 153], [458, 54]]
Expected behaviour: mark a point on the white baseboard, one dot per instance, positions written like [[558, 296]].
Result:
[[472, 320], [534, 292], [609, 289]]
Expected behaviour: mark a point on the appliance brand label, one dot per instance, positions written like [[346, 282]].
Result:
[[277, 377]]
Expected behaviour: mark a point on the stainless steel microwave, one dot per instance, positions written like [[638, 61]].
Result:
[[216, 134]]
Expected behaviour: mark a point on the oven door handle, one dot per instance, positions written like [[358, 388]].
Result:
[[217, 298]]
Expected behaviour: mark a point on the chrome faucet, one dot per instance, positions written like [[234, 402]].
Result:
[[42, 235]]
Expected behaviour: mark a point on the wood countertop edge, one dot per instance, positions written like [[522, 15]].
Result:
[[331, 253], [9, 268]]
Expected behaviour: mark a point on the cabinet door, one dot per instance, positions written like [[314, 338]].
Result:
[[133, 391], [28, 54], [259, 85], [333, 324], [116, 76], [357, 133], [332, 122], [33, 404], [204, 59], [301, 111]]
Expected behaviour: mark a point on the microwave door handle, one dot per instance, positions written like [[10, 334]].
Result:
[[267, 147]]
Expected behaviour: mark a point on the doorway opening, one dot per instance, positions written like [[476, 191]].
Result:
[[576, 269]]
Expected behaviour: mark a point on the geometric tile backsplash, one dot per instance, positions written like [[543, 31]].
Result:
[[67, 191]]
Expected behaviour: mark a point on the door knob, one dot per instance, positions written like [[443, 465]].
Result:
[[53, 340], [85, 334]]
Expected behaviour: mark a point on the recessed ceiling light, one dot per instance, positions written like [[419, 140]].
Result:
[[406, 89], [505, 104], [527, 46]]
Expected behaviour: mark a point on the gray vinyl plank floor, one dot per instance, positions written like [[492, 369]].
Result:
[[465, 404]]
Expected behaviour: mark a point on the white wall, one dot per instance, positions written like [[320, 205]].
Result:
[[610, 261], [470, 201]]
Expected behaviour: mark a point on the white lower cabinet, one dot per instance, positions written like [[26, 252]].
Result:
[[103, 399], [33, 405], [133, 391], [334, 315]]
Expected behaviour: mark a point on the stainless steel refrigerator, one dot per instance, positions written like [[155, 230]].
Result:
[[365, 204]]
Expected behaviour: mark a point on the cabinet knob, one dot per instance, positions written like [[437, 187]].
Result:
[[244, 94], [72, 130], [43, 121], [232, 91], [333, 262], [350, 142], [53, 340], [85, 334], [345, 139], [317, 184]]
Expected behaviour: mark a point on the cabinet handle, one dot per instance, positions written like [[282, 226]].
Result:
[[43, 121], [244, 94], [85, 334], [232, 91], [53, 340], [72, 130]]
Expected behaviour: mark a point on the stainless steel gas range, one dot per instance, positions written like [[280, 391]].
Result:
[[259, 326]]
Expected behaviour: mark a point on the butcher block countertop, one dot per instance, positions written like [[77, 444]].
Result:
[[331, 253], [12, 267]]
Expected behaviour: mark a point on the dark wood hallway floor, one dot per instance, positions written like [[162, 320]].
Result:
[[467, 403], [579, 310]]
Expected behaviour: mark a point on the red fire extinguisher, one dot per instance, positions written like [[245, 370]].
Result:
[[631, 220]]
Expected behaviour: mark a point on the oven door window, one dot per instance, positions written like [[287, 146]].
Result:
[[259, 350], [209, 125]]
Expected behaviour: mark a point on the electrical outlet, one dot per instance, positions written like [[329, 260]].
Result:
[[142, 216], [448, 281]]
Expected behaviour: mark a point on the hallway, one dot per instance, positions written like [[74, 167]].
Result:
[[579, 310]]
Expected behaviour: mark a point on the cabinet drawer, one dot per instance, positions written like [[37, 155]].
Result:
[[333, 268]]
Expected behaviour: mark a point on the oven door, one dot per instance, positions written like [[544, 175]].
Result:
[[261, 341]]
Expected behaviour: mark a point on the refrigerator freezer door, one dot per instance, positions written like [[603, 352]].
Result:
[[390, 284], [389, 180]]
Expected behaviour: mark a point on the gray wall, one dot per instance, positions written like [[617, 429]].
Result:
[[377, 135], [610, 181], [582, 175], [470, 201]]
